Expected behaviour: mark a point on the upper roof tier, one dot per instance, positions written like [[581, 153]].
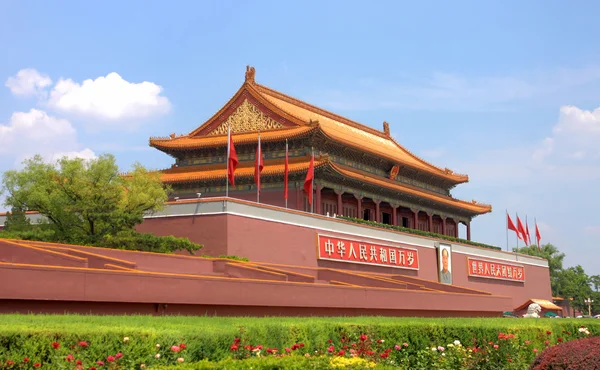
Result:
[[278, 116]]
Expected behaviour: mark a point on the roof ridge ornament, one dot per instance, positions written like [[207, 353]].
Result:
[[386, 128], [250, 73]]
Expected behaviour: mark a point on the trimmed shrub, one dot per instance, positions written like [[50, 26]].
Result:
[[417, 232], [147, 242], [581, 354]]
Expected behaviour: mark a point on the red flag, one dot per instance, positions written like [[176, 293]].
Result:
[[521, 229], [308, 182], [538, 236], [232, 162], [258, 165], [286, 172], [527, 232], [511, 226]]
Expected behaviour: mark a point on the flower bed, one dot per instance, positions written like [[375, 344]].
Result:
[[87, 342]]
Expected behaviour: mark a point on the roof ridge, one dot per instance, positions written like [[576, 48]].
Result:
[[315, 109]]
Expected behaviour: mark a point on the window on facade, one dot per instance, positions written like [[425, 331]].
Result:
[[367, 214], [405, 222], [349, 211], [386, 218], [422, 225], [329, 207], [437, 228]]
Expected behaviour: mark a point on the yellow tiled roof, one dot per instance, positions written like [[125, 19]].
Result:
[[352, 133]]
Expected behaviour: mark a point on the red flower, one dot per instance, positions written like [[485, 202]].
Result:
[[384, 355], [78, 362], [100, 363], [234, 347], [92, 368], [25, 359], [547, 342], [301, 344], [177, 348], [56, 345], [330, 349], [10, 363], [110, 358], [69, 357], [341, 352], [511, 336], [288, 350], [37, 364], [269, 350], [83, 344], [183, 346], [559, 340], [329, 341], [549, 332], [119, 355], [363, 337]]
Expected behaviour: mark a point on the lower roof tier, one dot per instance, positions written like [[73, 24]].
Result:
[[245, 170]]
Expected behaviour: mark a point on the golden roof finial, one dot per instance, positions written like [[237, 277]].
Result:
[[250, 72]]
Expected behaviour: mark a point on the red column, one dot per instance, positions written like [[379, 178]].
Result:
[[415, 218], [443, 225], [394, 215], [468, 230], [430, 222], [377, 213], [340, 206], [317, 201], [455, 228], [359, 214]]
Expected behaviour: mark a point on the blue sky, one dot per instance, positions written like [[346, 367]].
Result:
[[503, 91]]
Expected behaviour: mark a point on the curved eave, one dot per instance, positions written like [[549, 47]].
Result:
[[192, 143], [476, 208], [196, 173]]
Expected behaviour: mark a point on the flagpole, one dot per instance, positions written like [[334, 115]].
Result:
[[286, 180], [517, 250], [312, 182], [506, 221], [228, 150], [258, 170]]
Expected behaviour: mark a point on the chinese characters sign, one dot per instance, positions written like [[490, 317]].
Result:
[[344, 250], [495, 270]]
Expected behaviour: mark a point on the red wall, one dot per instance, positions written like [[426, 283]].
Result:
[[278, 243]]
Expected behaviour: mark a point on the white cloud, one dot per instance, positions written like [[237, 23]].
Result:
[[86, 154], [28, 82], [35, 132], [109, 98]]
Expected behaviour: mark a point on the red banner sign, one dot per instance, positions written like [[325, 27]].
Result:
[[495, 270], [345, 250]]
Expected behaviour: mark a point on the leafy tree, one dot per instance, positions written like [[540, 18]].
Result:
[[555, 262], [574, 282], [84, 200], [595, 280], [16, 220]]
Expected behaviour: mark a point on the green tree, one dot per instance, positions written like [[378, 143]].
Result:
[[574, 282], [16, 220], [595, 280], [84, 200], [555, 262]]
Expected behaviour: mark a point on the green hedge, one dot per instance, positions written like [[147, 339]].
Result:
[[129, 240], [210, 338], [417, 232]]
